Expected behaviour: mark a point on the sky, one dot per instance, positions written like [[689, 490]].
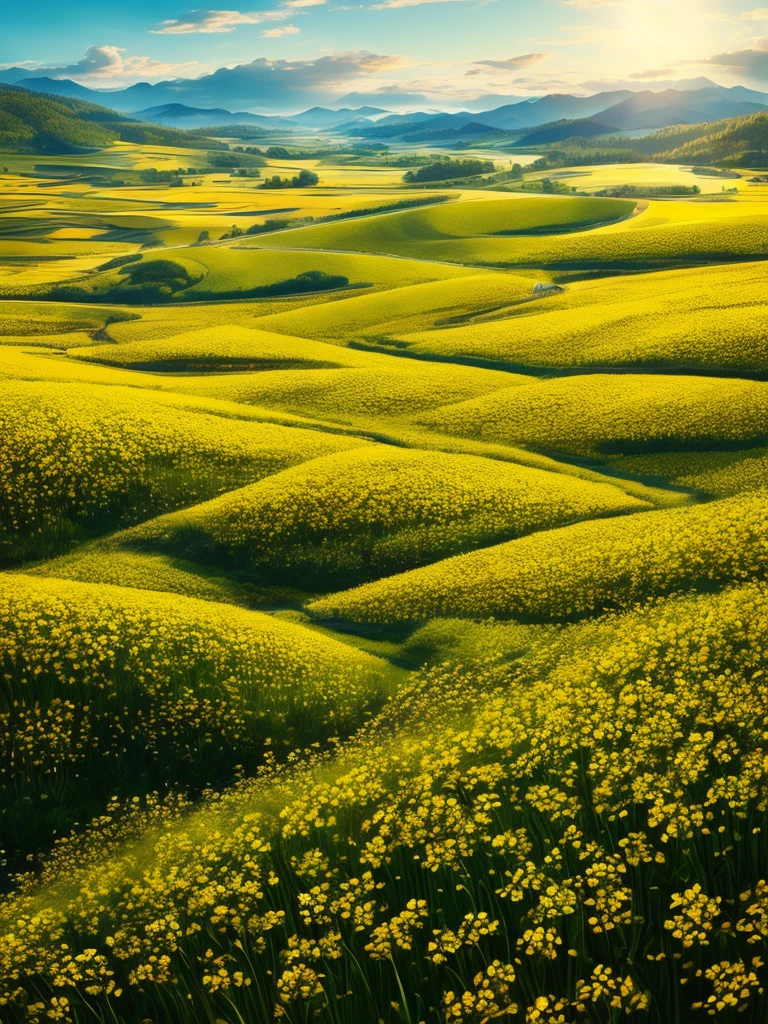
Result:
[[406, 53]]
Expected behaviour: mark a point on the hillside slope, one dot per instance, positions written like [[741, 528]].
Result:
[[42, 124], [739, 140]]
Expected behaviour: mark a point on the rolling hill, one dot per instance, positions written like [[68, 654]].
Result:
[[383, 570], [740, 140], [736, 141], [658, 110], [44, 124], [41, 123], [620, 110], [559, 131]]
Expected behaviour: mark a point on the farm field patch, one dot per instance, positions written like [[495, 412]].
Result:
[[666, 233]]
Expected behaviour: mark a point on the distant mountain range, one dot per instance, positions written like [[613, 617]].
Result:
[[530, 122], [39, 123], [602, 113], [178, 115], [225, 96]]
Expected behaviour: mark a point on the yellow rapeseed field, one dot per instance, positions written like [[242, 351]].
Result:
[[577, 570], [376, 510], [83, 456], [710, 319], [393, 653], [532, 839], [604, 413]]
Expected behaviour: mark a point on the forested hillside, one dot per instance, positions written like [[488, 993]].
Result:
[[44, 124], [38, 123]]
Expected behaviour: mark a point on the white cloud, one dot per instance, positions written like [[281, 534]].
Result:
[[303, 3], [106, 65], [389, 4], [97, 60], [214, 21], [524, 60], [752, 62], [759, 14], [33, 65], [653, 73], [282, 30]]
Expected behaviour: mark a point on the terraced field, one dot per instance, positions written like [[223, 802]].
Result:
[[383, 638]]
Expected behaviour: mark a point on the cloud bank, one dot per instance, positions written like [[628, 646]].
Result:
[[106, 65]]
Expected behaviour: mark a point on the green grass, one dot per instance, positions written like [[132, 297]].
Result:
[[375, 317], [449, 231], [667, 234]]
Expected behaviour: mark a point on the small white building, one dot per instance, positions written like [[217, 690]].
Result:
[[547, 288]]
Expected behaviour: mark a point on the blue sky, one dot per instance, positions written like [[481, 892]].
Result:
[[444, 51]]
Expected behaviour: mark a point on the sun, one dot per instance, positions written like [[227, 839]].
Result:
[[656, 33]]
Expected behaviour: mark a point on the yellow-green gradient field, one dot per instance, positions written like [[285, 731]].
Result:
[[383, 599]]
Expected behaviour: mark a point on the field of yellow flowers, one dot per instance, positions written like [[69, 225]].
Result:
[[390, 654]]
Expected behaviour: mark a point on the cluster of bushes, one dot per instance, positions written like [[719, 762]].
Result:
[[401, 160], [446, 167], [227, 131], [283, 153], [715, 172], [548, 186], [120, 261], [648, 191], [151, 176], [152, 281], [144, 281], [367, 211], [231, 159], [309, 281], [302, 180], [246, 166]]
